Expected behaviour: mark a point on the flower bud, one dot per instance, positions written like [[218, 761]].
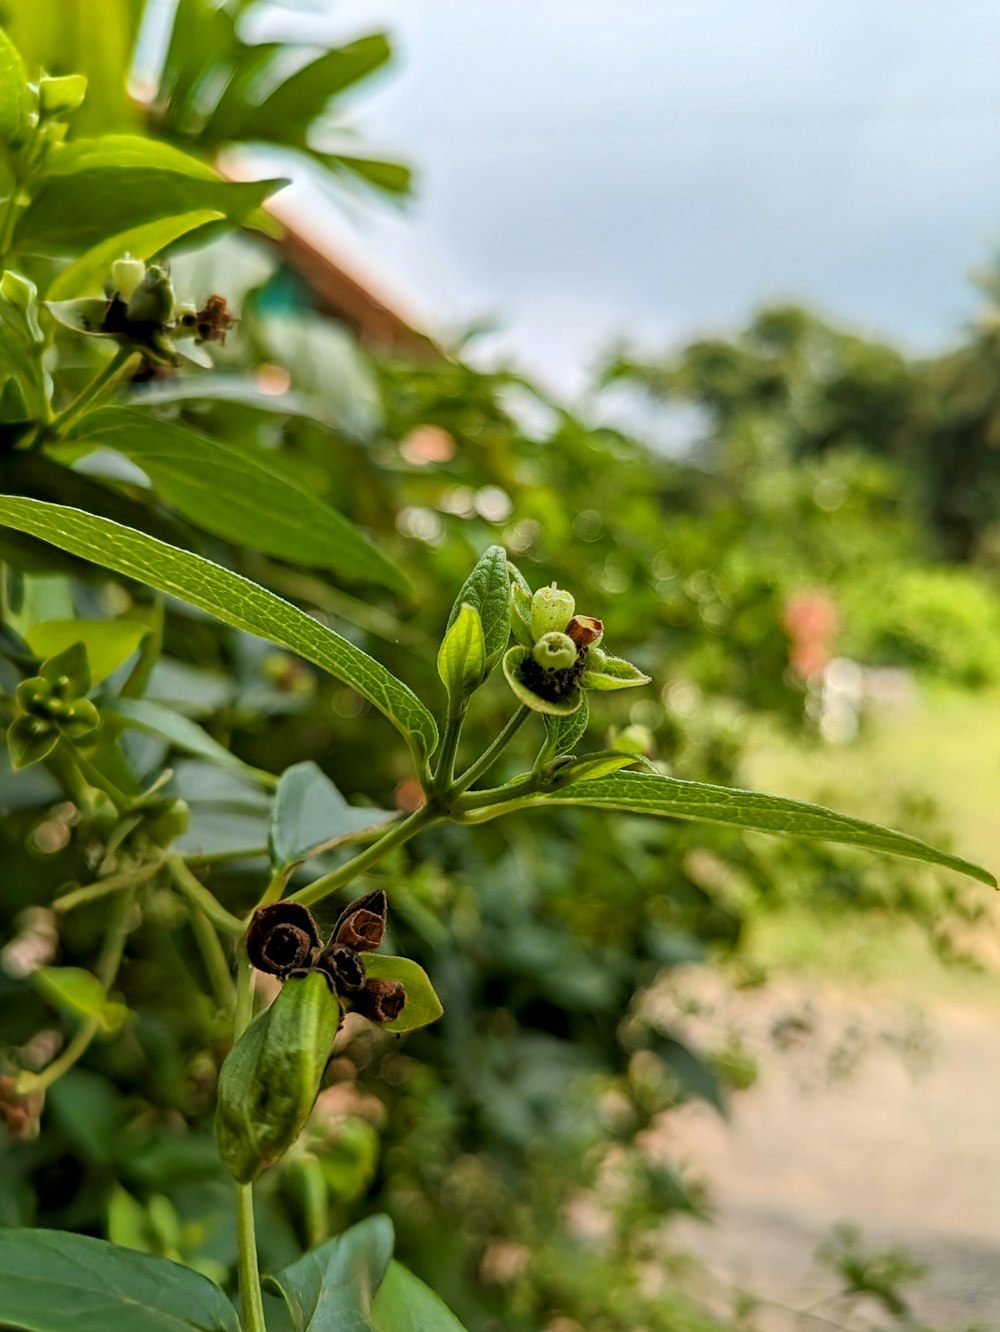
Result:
[[281, 938], [152, 301], [56, 96], [551, 609], [169, 822], [555, 652], [126, 274], [270, 1078]]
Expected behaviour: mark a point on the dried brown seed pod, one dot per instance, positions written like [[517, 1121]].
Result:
[[381, 1000], [281, 938], [585, 630], [361, 926], [343, 966]]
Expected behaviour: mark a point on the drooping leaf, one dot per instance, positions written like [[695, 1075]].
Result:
[[263, 508], [311, 815], [643, 793], [180, 732], [229, 597], [331, 1288], [604, 672], [79, 994], [53, 1281], [562, 733], [86, 276], [131, 180], [284, 116], [108, 643], [422, 1004], [487, 590], [405, 1304]]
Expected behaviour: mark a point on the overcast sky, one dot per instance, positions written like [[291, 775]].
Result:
[[658, 168]]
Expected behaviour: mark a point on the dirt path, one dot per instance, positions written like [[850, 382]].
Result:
[[906, 1145]]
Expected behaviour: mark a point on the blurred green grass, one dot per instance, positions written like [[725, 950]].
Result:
[[943, 747]]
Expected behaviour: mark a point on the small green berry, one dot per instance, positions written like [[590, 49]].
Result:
[[126, 274], [555, 651]]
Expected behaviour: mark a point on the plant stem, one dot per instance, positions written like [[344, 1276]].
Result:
[[114, 883], [489, 756], [396, 836], [199, 896], [215, 960], [96, 386], [199, 859], [107, 969], [444, 774], [249, 1273]]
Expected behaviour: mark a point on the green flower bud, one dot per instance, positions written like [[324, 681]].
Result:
[[56, 96], [152, 301], [126, 275], [552, 608], [555, 651], [270, 1078], [168, 822]]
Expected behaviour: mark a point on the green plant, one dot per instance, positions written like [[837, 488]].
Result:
[[103, 597]]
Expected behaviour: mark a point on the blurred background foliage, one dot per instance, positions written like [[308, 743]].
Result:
[[510, 1141]]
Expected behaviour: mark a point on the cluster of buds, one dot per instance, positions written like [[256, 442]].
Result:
[[141, 312], [560, 655], [52, 706], [284, 941]]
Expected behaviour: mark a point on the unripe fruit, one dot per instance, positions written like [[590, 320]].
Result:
[[126, 274], [552, 609], [555, 652], [169, 823]]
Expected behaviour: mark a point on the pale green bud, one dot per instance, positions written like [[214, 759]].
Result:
[[152, 301], [56, 96], [126, 274], [552, 608], [555, 651]]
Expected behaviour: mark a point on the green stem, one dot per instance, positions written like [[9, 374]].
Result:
[[107, 969], [114, 883], [444, 774], [96, 386], [199, 896], [489, 756], [249, 1273], [528, 785], [201, 858], [214, 957], [396, 836]]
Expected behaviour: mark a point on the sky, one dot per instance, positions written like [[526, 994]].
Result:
[[657, 169]]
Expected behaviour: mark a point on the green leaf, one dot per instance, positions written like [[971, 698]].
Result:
[[230, 598], [520, 610], [287, 113], [487, 590], [263, 509], [405, 1304], [52, 1281], [29, 740], [564, 707], [179, 731], [696, 1078], [604, 672], [330, 1288], [16, 101], [269, 1081], [461, 658], [68, 672], [562, 733], [642, 793], [79, 994], [21, 342], [108, 643], [422, 1004], [393, 177], [85, 314], [125, 182], [588, 767], [87, 275], [310, 815]]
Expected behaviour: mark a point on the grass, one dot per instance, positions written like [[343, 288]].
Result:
[[939, 754]]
